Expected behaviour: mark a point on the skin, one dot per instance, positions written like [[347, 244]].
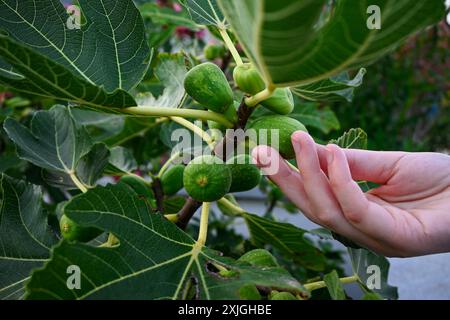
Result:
[[408, 214]]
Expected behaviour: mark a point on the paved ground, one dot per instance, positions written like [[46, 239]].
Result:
[[425, 277]]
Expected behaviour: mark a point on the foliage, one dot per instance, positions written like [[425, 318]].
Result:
[[87, 118]]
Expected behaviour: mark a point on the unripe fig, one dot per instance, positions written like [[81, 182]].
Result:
[[213, 51], [274, 295], [72, 231], [248, 79], [207, 85], [207, 178], [259, 258], [244, 174], [281, 101], [286, 127], [172, 180]]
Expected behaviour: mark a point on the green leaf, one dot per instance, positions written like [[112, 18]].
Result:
[[54, 141], [170, 71], [204, 12], [90, 167], [154, 260], [121, 161], [334, 286], [46, 78], [311, 115], [362, 260], [25, 237], [88, 170], [164, 15], [101, 126], [58, 144], [291, 44], [335, 88], [132, 127], [287, 238], [109, 51], [352, 139]]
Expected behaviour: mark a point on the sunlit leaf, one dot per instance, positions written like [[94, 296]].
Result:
[[170, 71], [205, 12], [292, 44], [335, 88]]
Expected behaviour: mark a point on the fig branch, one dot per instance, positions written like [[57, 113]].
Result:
[[203, 232], [179, 112], [231, 206], [195, 129], [321, 284], [159, 194], [186, 213], [168, 163], [244, 113], [253, 101], [230, 45], [77, 182]]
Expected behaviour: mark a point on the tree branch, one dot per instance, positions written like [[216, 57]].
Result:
[[244, 113], [226, 61], [186, 213], [159, 195]]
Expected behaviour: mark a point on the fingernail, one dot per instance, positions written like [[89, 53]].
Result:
[[261, 157], [297, 136], [296, 141]]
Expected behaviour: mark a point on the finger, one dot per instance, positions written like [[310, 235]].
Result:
[[374, 166], [275, 167], [364, 215], [323, 205]]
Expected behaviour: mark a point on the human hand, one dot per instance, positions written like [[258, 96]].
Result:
[[407, 215]]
